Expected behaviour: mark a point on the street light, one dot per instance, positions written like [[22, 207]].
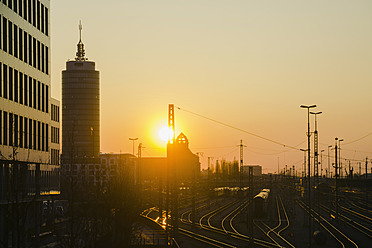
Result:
[[133, 139], [329, 168], [308, 165], [339, 157], [304, 170], [321, 163]]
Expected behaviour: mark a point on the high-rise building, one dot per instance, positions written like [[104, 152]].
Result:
[[80, 115], [29, 146]]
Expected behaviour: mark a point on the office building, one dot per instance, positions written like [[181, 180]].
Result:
[[27, 176]]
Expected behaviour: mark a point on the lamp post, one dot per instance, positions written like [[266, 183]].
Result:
[[321, 163], [304, 169], [133, 139], [339, 158], [308, 165], [328, 163]]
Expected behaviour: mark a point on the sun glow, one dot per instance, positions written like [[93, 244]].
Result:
[[165, 133]]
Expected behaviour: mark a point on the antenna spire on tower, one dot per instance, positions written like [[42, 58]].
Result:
[[80, 28], [80, 54]]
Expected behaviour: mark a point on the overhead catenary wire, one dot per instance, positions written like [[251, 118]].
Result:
[[261, 137], [239, 129]]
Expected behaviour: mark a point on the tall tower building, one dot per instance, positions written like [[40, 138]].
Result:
[[80, 112]]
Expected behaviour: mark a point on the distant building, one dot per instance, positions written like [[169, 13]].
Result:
[[80, 118], [113, 165], [257, 169], [185, 161], [29, 146]]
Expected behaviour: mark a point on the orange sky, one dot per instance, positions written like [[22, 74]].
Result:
[[250, 64]]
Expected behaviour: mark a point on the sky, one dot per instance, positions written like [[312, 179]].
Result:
[[247, 64]]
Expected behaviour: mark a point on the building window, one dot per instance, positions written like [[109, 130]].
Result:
[[42, 57], [15, 41], [1, 80], [10, 83], [47, 98], [15, 127], [34, 13], [34, 95], [39, 134], [43, 98], [43, 136], [29, 49], [26, 133], [10, 129], [20, 7], [1, 127], [38, 95], [15, 85], [5, 128], [5, 34], [25, 9], [20, 87], [10, 37], [21, 131], [38, 14], [38, 55], [29, 11], [30, 134], [47, 60], [34, 52], [30, 93], [46, 22], [47, 137], [42, 21], [5, 81], [25, 83], [20, 43], [34, 135]]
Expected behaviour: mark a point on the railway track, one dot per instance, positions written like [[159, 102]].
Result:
[[283, 223], [338, 235]]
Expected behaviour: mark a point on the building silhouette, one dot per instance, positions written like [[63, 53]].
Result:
[[29, 121], [187, 164], [80, 118]]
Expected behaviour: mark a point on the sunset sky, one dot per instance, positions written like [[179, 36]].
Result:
[[249, 64]]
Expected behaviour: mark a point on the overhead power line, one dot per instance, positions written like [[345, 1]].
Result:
[[365, 136], [239, 129]]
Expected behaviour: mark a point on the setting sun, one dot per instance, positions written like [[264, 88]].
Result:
[[165, 133]]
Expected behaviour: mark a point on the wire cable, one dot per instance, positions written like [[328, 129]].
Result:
[[239, 129]]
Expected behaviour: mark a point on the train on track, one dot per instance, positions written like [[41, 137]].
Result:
[[260, 202], [229, 192]]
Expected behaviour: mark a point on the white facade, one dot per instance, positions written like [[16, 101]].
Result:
[[25, 82]]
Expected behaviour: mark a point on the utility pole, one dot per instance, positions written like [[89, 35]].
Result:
[[336, 177], [329, 164], [171, 162], [308, 168], [360, 169], [366, 183], [208, 182], [241, 164], [316, 154], [250, 207]]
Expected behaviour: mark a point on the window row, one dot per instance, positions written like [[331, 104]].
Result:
[[54, 156], [55, 113], [18, 87], [23, 46], [19, 131], [32, 11], [55, 135]]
